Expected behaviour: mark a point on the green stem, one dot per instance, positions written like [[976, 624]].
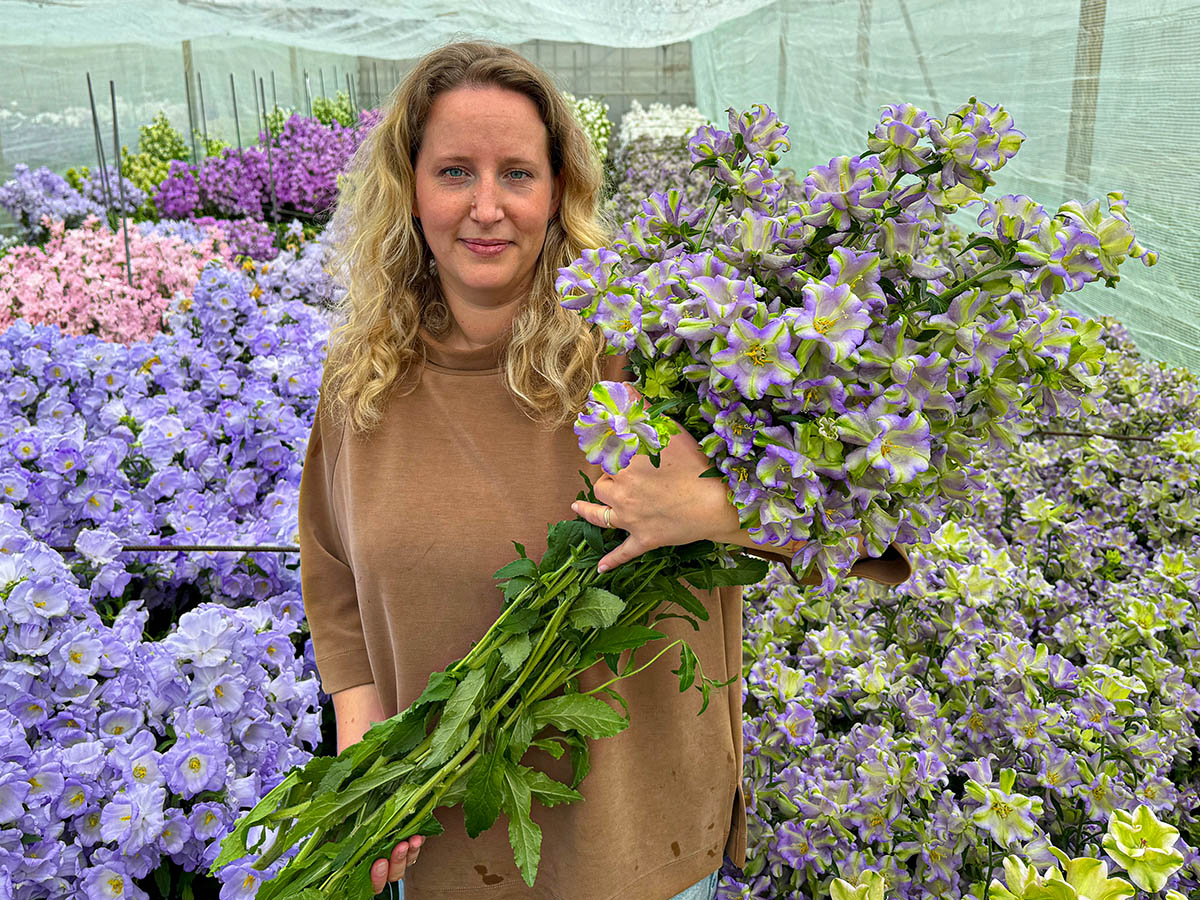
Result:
[[964, 286], [635, 671]]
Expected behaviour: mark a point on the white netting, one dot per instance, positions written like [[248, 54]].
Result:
[[1104, 91]]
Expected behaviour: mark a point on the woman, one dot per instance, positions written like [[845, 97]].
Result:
[[444, 434]]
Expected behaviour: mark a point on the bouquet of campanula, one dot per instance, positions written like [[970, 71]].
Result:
[[841, 349]]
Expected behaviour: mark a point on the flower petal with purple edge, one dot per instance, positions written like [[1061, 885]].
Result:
[[613, 425]]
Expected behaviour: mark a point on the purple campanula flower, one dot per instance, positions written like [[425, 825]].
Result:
[[844, 191], [832, 318], [612, 427], [757, 358]]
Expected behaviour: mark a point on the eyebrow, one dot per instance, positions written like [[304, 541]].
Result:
[[506, 161]]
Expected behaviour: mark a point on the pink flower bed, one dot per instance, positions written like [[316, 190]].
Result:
[[76, 280]]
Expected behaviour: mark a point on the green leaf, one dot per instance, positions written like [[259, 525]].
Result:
[[519, 621], [695, 625], [485, 789], [520, 549], [523, 566], [581, 762], [515, 585], [405, 733], [589, 716], [439, 687], [515, 651], [162, 880], [522, 734], [524, 834], [671, 590], [590, 494], [749, 570], [551, 745], [596, 608], [550, 792], [623, 637], [455, 725], [613, 661], [687, 668]]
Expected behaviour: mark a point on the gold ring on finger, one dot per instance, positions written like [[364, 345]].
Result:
[[608, 517]]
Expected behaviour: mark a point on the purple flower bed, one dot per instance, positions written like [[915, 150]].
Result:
[[32, 194], [1053, 636]]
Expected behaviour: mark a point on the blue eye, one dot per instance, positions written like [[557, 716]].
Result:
[[524, 176], [454, 171]]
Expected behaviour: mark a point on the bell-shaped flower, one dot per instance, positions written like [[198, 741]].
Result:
[[831, 317], [844, 191], [1113, 232], [709, 143], [757, 358], [860, 272], [761, 131], [1007, 816], [1061, 257], [1143, 846], [1014, 217], [896, 140], [613, 425], [580, 282], [619, 316]]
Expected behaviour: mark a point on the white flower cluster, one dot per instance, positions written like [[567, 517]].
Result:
[[593, 116], [659, 121]]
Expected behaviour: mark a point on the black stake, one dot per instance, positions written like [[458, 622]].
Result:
[[237, 122], [270, 164], [350, 92], [322, 71], [99, 148], [375, 73], [307, 94], [258, 113], [203, 114], [274, 96], [112, 90]]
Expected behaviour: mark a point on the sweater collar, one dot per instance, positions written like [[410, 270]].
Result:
[[440, 354]]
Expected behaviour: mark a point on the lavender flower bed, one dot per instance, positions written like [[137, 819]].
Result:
[[1054, 636]]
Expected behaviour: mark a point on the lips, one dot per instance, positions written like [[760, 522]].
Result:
[[484, 247]]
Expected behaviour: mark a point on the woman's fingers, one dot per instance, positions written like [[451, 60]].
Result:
[[403, 855]]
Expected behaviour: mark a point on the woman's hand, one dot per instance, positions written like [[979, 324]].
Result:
[[666, 506], [403, 855]]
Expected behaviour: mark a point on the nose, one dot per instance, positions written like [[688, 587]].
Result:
[[486, 206]]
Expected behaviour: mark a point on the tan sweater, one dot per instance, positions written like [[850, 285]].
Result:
[[400, 534]]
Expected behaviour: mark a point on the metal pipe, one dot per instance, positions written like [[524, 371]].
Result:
[[270, 163], [112, 90], [99, 147], [237, 123], [203, 114]]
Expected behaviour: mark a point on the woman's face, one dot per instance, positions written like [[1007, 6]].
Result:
[[485, 193]]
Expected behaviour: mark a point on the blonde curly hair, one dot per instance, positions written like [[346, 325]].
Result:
[[552, 357]]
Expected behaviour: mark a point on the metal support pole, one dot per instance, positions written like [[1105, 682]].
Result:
[[307, 94], [270, 163], [203, 114], [237, 122], [104, 185], [187, 90], [375, 74], [259, 115], [274, 94], [112, 90], [322, 71]]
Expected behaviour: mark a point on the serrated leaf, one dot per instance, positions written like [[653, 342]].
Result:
[[549, 792], [522, 734], [589, 716], [455, 725], [406, 733], [675, 592], [519, 621], [524, 834], [581, 761], [515, 651], [595, 608], [687, 668], [551, 745], [623, 637], [523, 566], [515, 586], [613, 661], [749, 570], [485, 790], [439, 687]]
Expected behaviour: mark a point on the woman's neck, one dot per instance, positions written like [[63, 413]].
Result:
[[475, 325]]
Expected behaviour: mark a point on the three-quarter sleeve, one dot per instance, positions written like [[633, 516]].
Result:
[[327, 581]]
